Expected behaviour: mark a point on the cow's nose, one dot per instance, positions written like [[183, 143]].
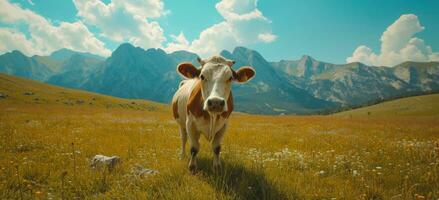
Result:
[[215, 104]]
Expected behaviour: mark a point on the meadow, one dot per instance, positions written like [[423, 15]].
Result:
[[48, 135]]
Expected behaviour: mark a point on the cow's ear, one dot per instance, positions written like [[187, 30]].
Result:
[[201, 61], [188, 70], [230, 63], [244, 74]]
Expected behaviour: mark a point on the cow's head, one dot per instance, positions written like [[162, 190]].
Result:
[[216, 77]]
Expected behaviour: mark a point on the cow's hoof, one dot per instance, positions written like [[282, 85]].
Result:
[[193, 169]]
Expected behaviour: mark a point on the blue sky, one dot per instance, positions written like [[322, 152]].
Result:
[[329, 30]]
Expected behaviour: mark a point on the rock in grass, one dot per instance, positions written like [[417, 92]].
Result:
[[99, 161], [3, 96], [141, 171]]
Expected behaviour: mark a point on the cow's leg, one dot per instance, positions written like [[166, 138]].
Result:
[[194, 137], [216, 148], [183, 135]]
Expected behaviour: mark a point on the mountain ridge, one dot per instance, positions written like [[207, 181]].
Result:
[[64, 53], [303, 86]]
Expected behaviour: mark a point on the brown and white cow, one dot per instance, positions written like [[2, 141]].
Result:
[[204, 102]]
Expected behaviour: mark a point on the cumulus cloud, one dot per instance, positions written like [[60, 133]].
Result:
[[44, 37], [125, 20], [398, 44], [11, 40], [267, 37], [131, 21], [179, 43], [214, 39], [243, 24]]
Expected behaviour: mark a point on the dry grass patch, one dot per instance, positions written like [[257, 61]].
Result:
[[45, 152]]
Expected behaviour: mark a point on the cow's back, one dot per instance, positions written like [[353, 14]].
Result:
[[179, 101]]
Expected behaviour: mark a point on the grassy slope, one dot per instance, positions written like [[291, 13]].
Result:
[[264, 157], [43, 94], [426, 105]]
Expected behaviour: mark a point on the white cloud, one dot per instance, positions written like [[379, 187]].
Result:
[[131, 21], [144, 8], [267, 37], [180, 43], [234, 8], [398, 44], [11, 13], [13, 40], [400, 32], [365, 55], [44, 36], [125, 20], [214, 39], [243, 24]]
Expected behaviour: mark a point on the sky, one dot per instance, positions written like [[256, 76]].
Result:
[[337, 31]]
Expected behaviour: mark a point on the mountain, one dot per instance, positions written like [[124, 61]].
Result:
[[420, 76], [301, 86], [304, 68], [356, 83], [74, 71], [269, 93], [133, 72], [17, 64], [63, 54], [43, 68]]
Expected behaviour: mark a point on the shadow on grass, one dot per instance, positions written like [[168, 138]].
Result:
[[238, 182]]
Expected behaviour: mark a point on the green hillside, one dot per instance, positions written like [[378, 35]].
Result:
[[425, 105], [20, 91]]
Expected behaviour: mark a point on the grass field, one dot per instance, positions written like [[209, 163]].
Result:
[[48, 134], [425, 105]]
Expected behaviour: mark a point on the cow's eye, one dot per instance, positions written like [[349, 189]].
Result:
[[230, 79], [202, 77]]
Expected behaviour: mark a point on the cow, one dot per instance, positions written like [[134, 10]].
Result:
[[204, 102]]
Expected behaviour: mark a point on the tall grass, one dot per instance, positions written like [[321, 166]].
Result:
[[45, 152]]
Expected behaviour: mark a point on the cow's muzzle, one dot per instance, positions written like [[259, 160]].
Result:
[[215, 104]]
